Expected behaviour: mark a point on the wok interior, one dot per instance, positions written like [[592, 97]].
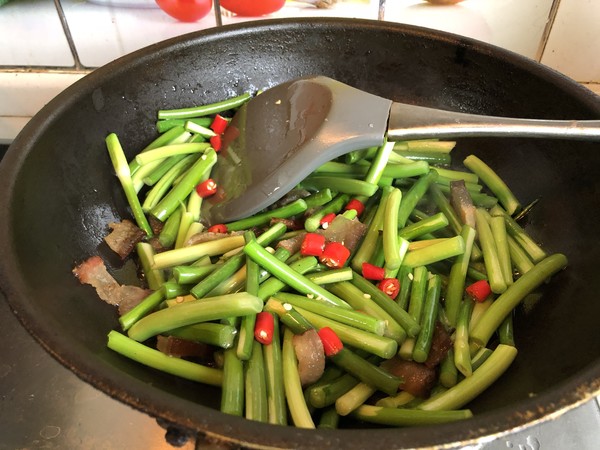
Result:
[[65, 195]]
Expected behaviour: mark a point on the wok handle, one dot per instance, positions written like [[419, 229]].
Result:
[[417, 122]]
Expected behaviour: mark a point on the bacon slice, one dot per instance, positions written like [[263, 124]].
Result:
[[124, 237], [93, 271]]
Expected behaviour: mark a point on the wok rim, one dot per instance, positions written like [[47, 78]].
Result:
[[209, 422]]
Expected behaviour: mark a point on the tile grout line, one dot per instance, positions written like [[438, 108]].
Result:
[[68, 35], [547, 30]]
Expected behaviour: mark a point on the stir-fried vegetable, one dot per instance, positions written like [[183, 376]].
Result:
[[387, 273]]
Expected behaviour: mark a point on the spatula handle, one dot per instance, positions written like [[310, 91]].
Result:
[[417, 122]]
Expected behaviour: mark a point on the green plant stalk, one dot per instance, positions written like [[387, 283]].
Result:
[[184, 224], [143, 308], [326, 394], [274, 378], [448, 371], [160, 361], [533, 250], [168, 234], [391, 246], [174, 134], [165, 125], [469, 388], [497, 225], [288, 276], [344, 185], [162, 153], [418, 293], [329, 419], [450, 174], [319, 198], [379, 163], [313, 222], [273, 285], [490, 252], [154, 278], [405, 277], [480, 357], [360, 301], [199, 130], [293, 388], [381, 346], [458, 274], [141, 172], [119, 162], [217, 334], [429, 225], [188, 313], [182, 189], [462, 353], [506, 302], [412, 169], [288, 316], [495, 184], [449, 248], [428, 319], [232, 393], [154, 177], [330, 276], [190, 254], [400, 417], [395, 401], [432, 157], [506, 332], [403, 318], [414, 194], [346, 316], [257, 220], [519, 258], [369, 243], [365, 371], [204, 110], [354, 398], [425, 145], [256, 386], [229, 285], [407, 348], [193, 274]]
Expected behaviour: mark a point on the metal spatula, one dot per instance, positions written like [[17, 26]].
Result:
[[282, 135]]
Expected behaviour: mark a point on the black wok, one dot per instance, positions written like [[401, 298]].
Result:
[[58, 196]]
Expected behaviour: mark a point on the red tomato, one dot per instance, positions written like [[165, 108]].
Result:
[[252, 8], [186, 10]]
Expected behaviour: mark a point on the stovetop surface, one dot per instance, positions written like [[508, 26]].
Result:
[[45, 406]]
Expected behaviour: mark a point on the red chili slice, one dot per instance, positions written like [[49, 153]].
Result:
[[219, 124], [313, 244], [327, 219], [372, 272], [335, 255], [331, 342], [218, 228], [356, 205], [389, 286], [479, 291], [216, 142], [263, 327], [207, 188]]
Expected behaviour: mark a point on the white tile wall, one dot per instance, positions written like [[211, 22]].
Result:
[[516, 25], [31, 35], [573, 46]]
